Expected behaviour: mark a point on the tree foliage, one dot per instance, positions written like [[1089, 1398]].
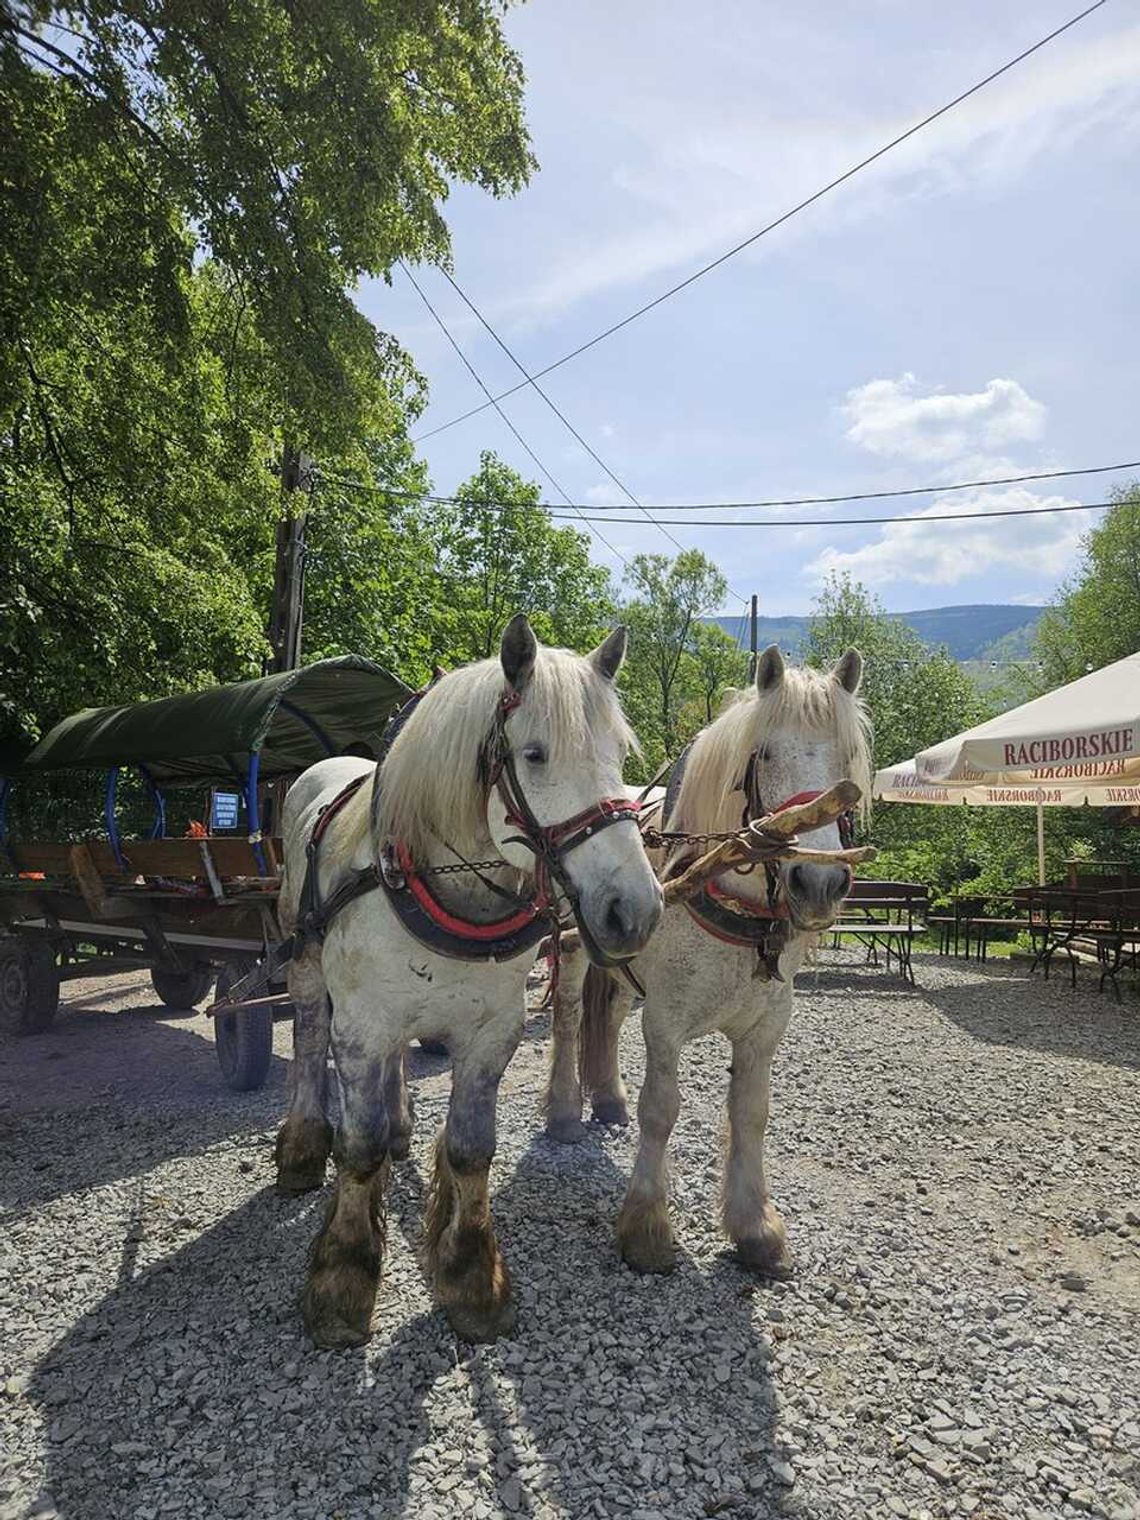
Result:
[[1096, 619], [190, 195], [664, 684]]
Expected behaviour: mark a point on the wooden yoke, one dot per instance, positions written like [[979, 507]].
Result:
[[771, 838]]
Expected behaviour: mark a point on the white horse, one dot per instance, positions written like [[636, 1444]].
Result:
[[517, 759], [798, 732]]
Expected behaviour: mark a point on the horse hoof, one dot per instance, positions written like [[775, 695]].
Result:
[[333, 1327], [651, 1259], [566, 1131], [301, 1149], [766, 1254], [611, 1111], [301, 1180], [480, 1326]]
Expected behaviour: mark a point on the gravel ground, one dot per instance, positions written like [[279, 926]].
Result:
[[959, 1167]]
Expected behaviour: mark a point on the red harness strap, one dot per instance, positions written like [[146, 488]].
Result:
[[462, 928]]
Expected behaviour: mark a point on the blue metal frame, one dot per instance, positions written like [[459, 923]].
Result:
[[109, 815], [251, 812], [158, 830], [310, 723]]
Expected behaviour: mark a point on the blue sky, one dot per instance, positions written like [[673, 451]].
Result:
[[966, 307]]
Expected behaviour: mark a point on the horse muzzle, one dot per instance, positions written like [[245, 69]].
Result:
[[618, 925], [815, 894]]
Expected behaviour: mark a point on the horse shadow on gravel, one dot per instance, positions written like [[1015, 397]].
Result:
[[615, 1395], [140, 1092]]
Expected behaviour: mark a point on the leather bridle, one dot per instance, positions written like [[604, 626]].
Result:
[[548, 843], [755, 807]]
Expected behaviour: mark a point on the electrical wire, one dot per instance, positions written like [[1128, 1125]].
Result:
[[473, 372], [808, 501], [762, 522], [779, 221], [565, 421]]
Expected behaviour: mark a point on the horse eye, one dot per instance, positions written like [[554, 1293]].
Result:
[[535, 754]]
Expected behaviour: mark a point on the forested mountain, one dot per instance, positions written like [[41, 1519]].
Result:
[[967, 632]]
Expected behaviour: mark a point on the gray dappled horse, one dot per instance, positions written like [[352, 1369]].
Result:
[[516, 761], [729, 964]]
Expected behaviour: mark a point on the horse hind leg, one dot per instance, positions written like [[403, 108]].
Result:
[[562, 1100], [304, 1140], [471, 1279], [606, 1002], [751, 1220], [398, 1103]]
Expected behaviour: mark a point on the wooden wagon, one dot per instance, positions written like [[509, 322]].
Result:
[[194, 908]]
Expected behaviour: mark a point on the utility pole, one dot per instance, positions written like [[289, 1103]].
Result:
[[287, 614], [752, 643]]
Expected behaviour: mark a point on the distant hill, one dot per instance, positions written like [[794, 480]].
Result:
[[967, 632]]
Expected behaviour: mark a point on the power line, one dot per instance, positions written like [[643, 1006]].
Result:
[[514, 430], [856, 522], [809, 501], [758, 522], [786, 216], [565, 421]]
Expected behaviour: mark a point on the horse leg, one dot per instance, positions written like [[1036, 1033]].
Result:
[[344, 1269], [563, 1098], [645, 1236], [601, 1069], [750, 1218], [471, 1279], [305, 1139], [398, 1103]]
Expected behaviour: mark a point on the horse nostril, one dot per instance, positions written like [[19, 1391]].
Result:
[[617, 919]]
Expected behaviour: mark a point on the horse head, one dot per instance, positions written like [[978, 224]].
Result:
[[811, 732], [793, 735], [523, 755]]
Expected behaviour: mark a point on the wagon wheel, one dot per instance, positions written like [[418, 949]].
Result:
[[29, 986], [182, 989], [244, 1040]]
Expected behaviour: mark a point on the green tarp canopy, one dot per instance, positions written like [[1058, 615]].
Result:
[[290, 720]]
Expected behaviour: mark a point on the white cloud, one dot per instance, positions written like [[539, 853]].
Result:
[[946, 553], [892, 418], [745, 148]]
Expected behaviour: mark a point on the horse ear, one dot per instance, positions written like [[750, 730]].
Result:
[[769, 669], [849, 670], [609, 656], [518, 651]]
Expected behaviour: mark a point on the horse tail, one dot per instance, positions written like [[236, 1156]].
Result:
[[599, 991]]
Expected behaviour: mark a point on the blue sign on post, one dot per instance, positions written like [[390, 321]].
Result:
[[224, 811]]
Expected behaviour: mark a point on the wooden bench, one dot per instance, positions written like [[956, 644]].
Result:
[[213, 861], [970, 926], [1097, 919], [887, 913]]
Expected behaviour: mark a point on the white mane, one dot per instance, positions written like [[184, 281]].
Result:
[[431, 784], [805, 700]]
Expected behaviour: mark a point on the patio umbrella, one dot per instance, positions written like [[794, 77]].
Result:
[[1076, 746]]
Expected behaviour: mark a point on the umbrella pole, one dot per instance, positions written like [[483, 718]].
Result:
[[1040, 845]]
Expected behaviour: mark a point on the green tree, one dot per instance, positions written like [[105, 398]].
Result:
[[190, 195], [714, 661], [1096, 618], [917, 696], [496, 552], [669, 597]]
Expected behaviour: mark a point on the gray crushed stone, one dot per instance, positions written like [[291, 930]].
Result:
[[958, 1165]]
